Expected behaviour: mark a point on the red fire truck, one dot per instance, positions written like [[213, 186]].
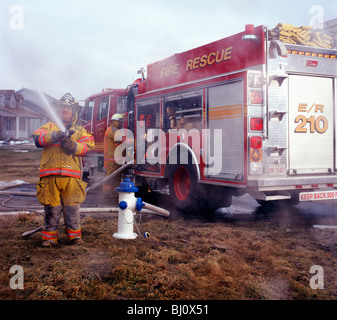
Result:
[[95, 116], [251, 113]]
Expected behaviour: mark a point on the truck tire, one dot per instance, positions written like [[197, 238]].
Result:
[[183, 187], [190, 197]]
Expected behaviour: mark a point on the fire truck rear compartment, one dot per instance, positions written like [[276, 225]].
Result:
[[307, 142], [299, 148], [311, 125]]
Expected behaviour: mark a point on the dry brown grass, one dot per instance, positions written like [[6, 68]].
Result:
[[20, 162], [182, 259]]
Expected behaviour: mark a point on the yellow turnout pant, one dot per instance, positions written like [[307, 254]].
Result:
[[61, 194], [55, 190]]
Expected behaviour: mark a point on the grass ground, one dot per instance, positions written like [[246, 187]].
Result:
[[184, 257], [20, 162]]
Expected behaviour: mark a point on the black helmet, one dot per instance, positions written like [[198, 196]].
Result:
[[68, 101]]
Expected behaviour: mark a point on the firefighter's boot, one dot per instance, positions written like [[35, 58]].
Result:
[[50, 226], [72, 224]]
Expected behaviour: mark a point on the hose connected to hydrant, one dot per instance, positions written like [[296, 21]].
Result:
[[138, 207]]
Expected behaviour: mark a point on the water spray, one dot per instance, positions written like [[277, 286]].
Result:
[[23, 70], [53, 114]]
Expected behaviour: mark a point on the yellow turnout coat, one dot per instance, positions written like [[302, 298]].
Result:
[[57, 166]]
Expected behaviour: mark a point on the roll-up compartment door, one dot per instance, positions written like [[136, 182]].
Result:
[[311, 125], [226, 134]]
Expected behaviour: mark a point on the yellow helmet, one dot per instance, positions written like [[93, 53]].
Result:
[[118, 117]]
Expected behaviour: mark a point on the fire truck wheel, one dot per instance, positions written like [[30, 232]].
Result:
[[183, 187]]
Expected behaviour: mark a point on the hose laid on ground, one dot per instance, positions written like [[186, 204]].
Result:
[[11, 194], [82, 210], [33, 194], [19, 193], [149, 208]]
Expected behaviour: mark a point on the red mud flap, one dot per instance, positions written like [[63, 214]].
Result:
[[318, 195]]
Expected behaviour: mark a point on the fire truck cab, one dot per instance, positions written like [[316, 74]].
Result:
[[251, 113], [95, 116]]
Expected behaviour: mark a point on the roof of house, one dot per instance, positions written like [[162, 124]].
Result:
[[33, 101], [10, 93], [14, 112]]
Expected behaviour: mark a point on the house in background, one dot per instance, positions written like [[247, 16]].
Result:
[[21, 113]]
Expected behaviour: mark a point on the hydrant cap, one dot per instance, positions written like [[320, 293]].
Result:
[[123, 205], [139, 204], [127, 186]]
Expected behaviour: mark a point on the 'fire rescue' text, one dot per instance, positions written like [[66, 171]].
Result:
[[199, 62]]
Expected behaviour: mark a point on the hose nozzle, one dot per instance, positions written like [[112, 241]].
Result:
[[65, 134]]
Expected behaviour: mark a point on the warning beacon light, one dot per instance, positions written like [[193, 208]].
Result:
[[249, 33]]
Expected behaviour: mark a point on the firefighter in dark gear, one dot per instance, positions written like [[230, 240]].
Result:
[[112, 160], [60, 187]]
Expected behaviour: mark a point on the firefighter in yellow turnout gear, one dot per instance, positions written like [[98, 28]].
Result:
[[111, 157], [60, 187]]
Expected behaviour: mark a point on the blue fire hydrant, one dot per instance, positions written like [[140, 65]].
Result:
[[128, 205]]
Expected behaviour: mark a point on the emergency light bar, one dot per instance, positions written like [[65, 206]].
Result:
[[249, 29], [311, 54]]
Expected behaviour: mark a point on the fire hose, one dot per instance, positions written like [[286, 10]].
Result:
[[93, 186], [149, 208]]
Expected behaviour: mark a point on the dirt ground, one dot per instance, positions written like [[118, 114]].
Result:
[[266, 256], [20, 162]]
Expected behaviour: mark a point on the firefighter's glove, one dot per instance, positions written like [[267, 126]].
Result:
[[69, 145], [57, 135], [36, 141]]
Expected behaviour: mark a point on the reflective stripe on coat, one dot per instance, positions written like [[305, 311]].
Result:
[[54, 160]]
